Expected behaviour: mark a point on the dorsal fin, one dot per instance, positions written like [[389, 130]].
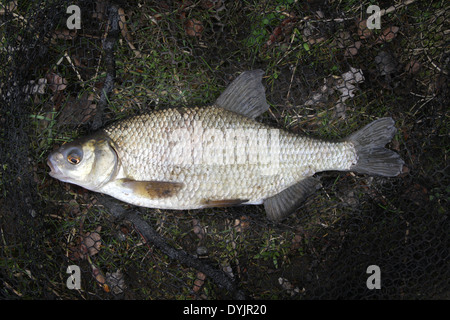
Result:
[[245, 95]]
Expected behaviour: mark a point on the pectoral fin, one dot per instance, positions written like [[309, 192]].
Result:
[[284, 203], [152, 189]]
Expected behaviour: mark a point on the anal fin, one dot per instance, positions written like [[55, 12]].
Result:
[[152, 189], [223, 203], [284, 203]]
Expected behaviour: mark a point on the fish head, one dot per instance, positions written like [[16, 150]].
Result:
[[87, 162]]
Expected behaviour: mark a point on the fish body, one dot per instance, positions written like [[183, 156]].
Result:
[[219, 155]]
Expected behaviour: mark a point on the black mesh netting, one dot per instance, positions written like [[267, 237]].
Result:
[[326, 74]]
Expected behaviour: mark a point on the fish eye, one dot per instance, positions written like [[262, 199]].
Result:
[[74, 157]]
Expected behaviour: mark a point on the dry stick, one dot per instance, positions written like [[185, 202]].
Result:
[[154, 238], [108, 47], [396, 7], [66, 55], [151, 236], [125, 34], [382, 13]]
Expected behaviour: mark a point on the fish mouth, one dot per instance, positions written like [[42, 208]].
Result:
[[54, 170]]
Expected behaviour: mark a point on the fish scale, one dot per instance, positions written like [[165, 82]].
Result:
[[219, 155], [155, 158]]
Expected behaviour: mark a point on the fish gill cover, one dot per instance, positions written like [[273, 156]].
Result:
[[71, 67]]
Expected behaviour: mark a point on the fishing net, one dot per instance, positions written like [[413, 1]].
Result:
[[330, 68]]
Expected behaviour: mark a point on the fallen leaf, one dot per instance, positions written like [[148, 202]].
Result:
[[386, 63], [115, 281], [193, 27], [343, 39], [296, 241], [77, 110], [273, 37], [412, 67], [55, 82], [199, 281], [353, 49], [388, 34], [208, 4], [417, 193], [202, 251], [286, 285], [100, 10], [227, 269], [363, 31], [347, 86], [99, 277], [64, 34], [91, 242], [241, 224], [198, 229], [125, 33], [282, 31], [34, 87], [405, 169]]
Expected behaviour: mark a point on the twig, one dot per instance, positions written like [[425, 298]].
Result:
[[428, 57], [154, 238], [393, 8], [125, 34], [151, 236], [108, 47], [72, 65], [290, 83], [382, 12], [420, 107]]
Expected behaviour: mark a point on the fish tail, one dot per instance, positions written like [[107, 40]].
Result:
[[373, 157]]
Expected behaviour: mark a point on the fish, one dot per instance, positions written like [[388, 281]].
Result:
[[184, 158]]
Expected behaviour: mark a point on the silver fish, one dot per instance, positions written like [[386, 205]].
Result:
[[191, 158]]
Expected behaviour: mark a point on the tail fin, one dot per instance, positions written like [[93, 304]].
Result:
[[369, 143]]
